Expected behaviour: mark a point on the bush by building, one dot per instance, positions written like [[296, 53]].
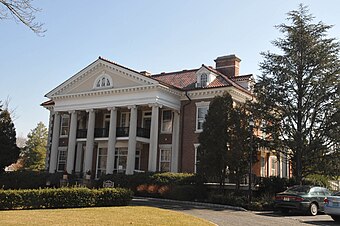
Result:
[[63, 198]]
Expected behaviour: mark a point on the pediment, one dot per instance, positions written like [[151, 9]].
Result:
[[101, 75]]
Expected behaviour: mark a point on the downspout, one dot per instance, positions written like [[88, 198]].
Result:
[[182, 127]]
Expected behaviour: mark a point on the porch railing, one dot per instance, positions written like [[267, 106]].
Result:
[[120, 132]]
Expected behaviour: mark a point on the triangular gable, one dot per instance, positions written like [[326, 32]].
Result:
[[114, 76]]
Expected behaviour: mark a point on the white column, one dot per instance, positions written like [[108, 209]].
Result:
[[72, 139], [153, 138], [55, 143], [89, 141], [130, 163], [112, 141], [79, 158], [175, 143], [49, 140]]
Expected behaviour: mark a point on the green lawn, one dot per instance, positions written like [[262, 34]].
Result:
[[129, 215]]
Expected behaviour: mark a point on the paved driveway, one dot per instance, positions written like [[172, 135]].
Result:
[[222, 215]]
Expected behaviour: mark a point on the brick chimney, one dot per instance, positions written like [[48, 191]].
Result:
[[228, 65]]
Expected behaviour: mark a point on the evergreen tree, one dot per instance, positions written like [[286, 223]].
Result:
[[224, 142], [9, 152], [34, 152], [298, 95]]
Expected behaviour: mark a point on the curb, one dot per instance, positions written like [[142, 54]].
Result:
[[194, 203]]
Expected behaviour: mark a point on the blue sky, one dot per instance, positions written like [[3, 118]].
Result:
[[147, 35]]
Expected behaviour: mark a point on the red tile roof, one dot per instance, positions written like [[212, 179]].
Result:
[[186, 79]]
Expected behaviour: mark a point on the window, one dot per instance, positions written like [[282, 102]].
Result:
[[101, 161], [125, 119], [204, 80], [103, 81], [165, 160], [146, 123], [166, 126], [121, 159], [65, 121], [201, 112], [263, 167], [273, 165], [196, 157], [62, 157]]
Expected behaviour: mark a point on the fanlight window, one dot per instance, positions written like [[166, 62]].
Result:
[[103, 82]]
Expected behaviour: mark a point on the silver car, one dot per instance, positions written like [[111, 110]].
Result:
[[332, 206]]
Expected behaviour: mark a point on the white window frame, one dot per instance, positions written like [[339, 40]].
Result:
[[204, 80], [146, 115], [195, 163], [165, 129], [125, 115], [202, 120], [98, 84], [263, 166], [67, 127], [273, 167], [97, 165], [161, 149], [62, 161]]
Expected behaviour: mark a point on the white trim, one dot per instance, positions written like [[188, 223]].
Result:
[[103, 64], [202, 104], [162, 122], [164, 148], [146, 116], [99, 79], [196, 145], [63, 117], [58, 158]]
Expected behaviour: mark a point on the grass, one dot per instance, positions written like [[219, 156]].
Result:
[[129, 215]]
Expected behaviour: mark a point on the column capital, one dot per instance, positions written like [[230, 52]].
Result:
[[112, 109], [72, 111], [177, 112], [155, 105], [90, 110], [132, 106]]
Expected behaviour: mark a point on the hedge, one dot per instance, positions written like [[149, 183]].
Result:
[[25, 179], [63, 198]]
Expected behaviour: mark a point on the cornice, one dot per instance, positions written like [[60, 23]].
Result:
[[105, 92], [211, 93]]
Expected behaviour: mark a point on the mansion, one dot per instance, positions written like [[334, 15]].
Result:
[[108, 118]]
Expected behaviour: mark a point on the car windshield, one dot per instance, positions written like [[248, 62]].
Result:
[[336, 194], [298, 189]]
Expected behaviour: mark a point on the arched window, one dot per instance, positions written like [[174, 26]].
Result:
[[204, 80], [103, 81]]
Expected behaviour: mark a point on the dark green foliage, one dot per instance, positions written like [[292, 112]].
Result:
[[9, 152], [298, 96], [132, 181], [187, 192], [34, 152], [25, 179], [63, 198], [181, 186], [224, 143]]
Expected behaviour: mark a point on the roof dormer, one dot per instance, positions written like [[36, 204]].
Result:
[[204, 77]]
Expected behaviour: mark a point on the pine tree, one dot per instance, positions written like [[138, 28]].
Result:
[[298, 94], [9, 152], [34, 152]]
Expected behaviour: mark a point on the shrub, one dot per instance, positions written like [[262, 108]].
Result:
[[63, 198], [23, 179], [186, 192]]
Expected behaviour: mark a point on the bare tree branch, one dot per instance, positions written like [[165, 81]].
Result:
[[21, 11]]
